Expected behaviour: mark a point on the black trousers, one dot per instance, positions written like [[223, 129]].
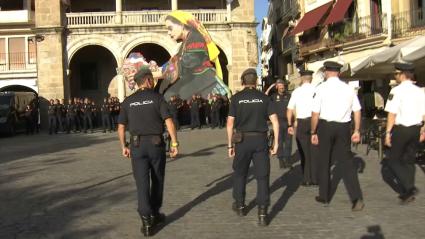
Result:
[[215, 118], [106, 122], [52, 124], [87, 122], [335, 146], [148, 163], [284, 140], [60, 124], [29, 125], [70, 122], [194, 119], [402, 155], [306, 150], [253, 148]]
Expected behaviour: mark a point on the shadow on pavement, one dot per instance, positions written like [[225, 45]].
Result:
[[221, 184], [338, 173], [49, 211], [23, 147], [291, 181], [200, 153], [373, 232]]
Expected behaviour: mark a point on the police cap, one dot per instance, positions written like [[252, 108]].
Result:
[[143, 71], [306, 72], [332, 66], [404, 67]]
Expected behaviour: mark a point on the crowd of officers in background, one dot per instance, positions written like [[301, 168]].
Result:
[[85, 115], [198, 111], [82, 115]]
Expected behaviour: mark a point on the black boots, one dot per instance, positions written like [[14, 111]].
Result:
[[262, 216], [158, 218], [147, 226], [150, 222], [239, 208]]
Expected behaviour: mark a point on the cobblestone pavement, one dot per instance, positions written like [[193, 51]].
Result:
[[78, 186]]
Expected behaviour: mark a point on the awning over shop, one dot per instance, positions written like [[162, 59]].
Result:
[[311, 18], [338, 11], [381, 63]]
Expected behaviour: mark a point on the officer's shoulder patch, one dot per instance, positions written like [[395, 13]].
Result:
[[390, 96]]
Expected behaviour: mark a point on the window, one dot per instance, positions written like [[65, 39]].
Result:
[[17, 53], [88, 76]]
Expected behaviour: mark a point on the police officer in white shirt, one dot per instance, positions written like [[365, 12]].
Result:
[[406, 114], [333, 104], [300, 104]]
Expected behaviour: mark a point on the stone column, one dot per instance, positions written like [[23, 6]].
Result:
[[121, 87], [118, 11], [51, 60], [27, 6], [174, 5], [229, 10], [387, 8]]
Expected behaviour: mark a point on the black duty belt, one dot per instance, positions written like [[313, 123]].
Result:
[[304, 119], [412, 126], [253, 133], [334, 122]]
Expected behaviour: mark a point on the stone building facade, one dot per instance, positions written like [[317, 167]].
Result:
[[80, 44], [342, 30]]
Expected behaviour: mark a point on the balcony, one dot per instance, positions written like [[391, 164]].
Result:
[[139, 18], [352, 31], [409, 23], [288, 44], [357, 29], [18, 62], [16, 17]]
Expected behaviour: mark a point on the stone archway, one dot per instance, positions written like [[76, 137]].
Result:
[[110, 44], [155, 38], [18, 88], [152, 52], [92, 70]]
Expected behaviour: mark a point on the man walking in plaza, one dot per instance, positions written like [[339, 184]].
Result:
[[248, 114], [300, 106], [405, 129], [333, 103], [147, 147]]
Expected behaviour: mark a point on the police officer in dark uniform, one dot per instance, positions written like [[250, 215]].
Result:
[[59, 116], [51, 112], [248, 114], [147, 147], [216, 105], [70, 116], [106, 115], [195, 106], [87, 115], [174, 110], [406, 115], [281, 100], [333, 103]]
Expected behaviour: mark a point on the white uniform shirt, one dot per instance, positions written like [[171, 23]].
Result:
[[335, 100], [302, 100], [407, 102]]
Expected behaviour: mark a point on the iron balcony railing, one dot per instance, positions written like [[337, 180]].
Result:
[[139, 18], [22, 61], [408, 23], [358, 28]]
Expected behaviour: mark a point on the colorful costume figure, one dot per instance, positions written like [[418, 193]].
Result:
[[191, 70]]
